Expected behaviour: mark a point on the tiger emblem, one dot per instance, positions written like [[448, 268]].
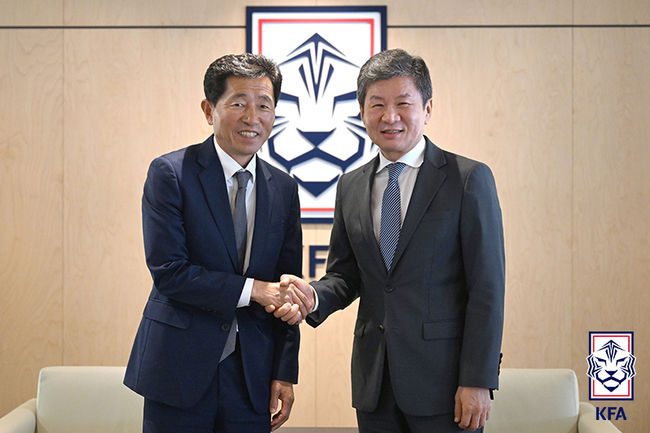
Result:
[[611, 365], [318, 133]]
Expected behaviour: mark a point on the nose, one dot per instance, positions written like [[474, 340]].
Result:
[[390, 115], [250, 114]]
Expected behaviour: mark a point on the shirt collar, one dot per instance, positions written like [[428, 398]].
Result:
[[230, 166], [413, 158]]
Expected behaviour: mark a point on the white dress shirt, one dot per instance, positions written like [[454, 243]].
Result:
[[406, 180], [230, 167]]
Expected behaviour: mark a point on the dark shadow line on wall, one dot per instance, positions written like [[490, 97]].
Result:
[[470, 26]]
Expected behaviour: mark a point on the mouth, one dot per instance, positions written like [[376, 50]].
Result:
[[249, 134], [391, 131]]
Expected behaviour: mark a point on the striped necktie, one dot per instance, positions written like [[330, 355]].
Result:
[[390, 215]]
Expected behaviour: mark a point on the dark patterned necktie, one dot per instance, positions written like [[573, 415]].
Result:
[[390, 215]]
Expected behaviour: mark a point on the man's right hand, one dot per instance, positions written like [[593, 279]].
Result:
[[301, 291], [287, 300]]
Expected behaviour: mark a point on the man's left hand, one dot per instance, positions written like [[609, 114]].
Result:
[[472, 407], [283, 392], [302, 300]]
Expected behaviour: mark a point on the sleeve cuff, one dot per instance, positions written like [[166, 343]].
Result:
[[315, 298], [245, 297]]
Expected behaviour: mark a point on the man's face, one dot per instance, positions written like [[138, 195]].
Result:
[[243, 117], [394, 116]]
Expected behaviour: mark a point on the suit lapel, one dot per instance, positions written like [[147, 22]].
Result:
[[216, 195], [429, 180], [365, 211], [264, 196]]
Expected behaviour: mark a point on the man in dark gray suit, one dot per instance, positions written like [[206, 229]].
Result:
[[417, 235]]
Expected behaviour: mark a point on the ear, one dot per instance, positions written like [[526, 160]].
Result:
[[207, 108], [361, 111], [428, 109]]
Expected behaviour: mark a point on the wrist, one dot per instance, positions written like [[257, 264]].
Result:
[[257, 290]]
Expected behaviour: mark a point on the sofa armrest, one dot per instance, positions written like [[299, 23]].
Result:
[[587, 422], [20, 420], [530, 400]]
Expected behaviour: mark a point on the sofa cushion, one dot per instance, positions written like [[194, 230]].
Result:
[[535, 401], [86, 399]]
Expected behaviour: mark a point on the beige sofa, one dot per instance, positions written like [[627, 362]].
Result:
[[78, 400], [542, 401], [93, 400]]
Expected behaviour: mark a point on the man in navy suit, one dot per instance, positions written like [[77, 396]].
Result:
[[219, 225], [417, 236]]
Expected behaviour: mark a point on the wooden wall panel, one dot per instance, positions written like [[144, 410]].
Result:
[[611, 200], [470, 12], [333, 384], [31, 13], [31, 188], [222, 12], [323, 395], [166, 12], [304, 408], [130, 95], [611, 12], [503, 96]]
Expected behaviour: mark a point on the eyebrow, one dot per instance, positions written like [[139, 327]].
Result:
[[245, 95], [403, 95], [239, 95]]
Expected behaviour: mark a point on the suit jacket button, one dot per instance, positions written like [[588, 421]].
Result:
[[225, 327], [381, 328]]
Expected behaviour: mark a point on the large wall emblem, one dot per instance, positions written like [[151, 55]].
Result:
[[611, 365], [318, 134]]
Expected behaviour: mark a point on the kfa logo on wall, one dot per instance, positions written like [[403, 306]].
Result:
[[611, 365], [318, 133]]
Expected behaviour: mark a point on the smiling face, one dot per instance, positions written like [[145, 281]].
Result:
[[243, 116], [394, 115]]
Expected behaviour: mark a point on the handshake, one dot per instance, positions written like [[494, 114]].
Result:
[[290, 300]]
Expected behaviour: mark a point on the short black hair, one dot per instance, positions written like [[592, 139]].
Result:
[[390, 64], [239, 65]]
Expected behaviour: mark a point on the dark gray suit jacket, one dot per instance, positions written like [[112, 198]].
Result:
[[437, 316]]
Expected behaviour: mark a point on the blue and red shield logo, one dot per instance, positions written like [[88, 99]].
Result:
[[611, 366], [318, 133]]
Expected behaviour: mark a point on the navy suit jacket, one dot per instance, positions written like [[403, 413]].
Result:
[[191, 254], [437, 316]]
